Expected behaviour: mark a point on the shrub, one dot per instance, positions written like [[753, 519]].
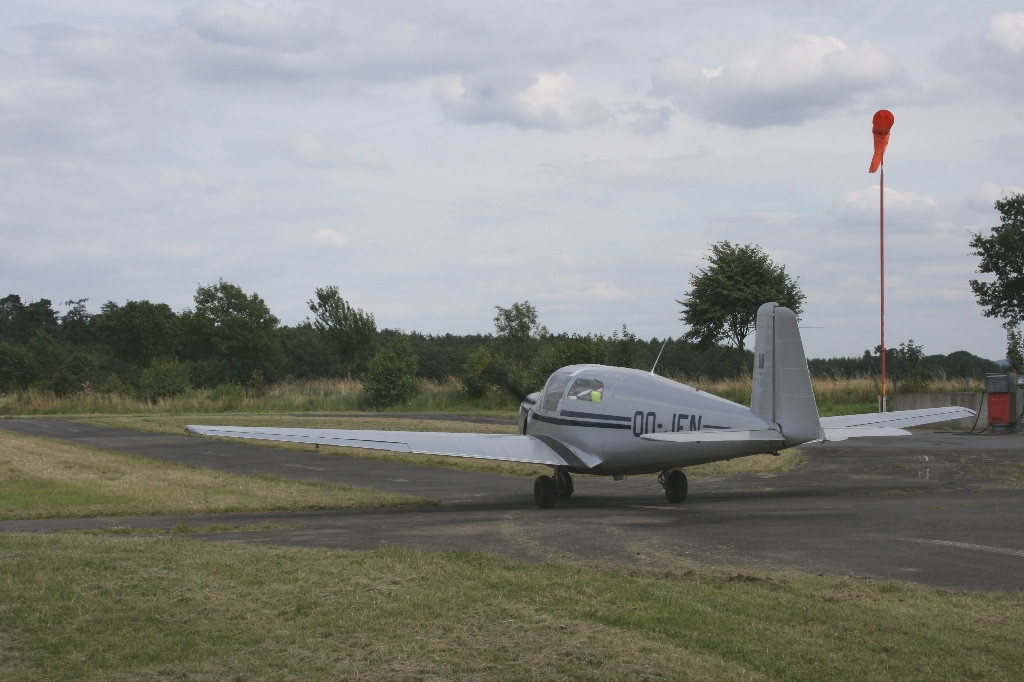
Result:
[[257, 386], [230, 396], [475, 377], [165, 379], [391, 376]]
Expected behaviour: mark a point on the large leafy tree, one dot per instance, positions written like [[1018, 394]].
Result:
[[724, 297], [1002, 255], [19, 322], [517, 342], [344, 329], [228, 324], [139, 331]]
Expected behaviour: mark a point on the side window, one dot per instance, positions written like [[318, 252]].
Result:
[[553, 391], [590, 390]]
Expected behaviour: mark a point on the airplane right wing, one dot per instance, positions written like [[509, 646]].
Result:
[[887, 423]]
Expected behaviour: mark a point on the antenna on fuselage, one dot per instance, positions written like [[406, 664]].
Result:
[[659, 355]]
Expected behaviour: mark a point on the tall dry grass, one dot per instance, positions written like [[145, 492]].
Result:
[[319, 395], [834, 390], [342, 395]]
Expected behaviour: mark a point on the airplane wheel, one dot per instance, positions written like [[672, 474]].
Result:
[[675, 486], [563, 481], [545, 491]]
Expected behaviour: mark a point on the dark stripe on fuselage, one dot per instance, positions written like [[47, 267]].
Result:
[[588, 415], [562, 451], [574, 422]]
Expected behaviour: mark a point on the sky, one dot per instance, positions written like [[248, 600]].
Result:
[[434, 160]]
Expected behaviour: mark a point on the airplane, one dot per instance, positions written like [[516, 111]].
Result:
[[614, 421]]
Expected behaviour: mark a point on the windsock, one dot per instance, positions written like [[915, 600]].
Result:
[[880, 126]]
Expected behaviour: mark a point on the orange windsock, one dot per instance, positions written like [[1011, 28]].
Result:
[[880, 126]]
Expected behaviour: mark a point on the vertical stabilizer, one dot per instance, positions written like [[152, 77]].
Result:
[[782, 392]]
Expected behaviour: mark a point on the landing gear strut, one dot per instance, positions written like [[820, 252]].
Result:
[[675, 485], [548, 489], [564, 482]]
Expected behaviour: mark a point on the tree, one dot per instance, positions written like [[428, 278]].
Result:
[[724, 297], [17, 369], [232, 326], [622, 350], [344, 329], [1002, 255], [391, 377], [139, 331], [568, 350], [19, 321], [76, 324], [516, 345]]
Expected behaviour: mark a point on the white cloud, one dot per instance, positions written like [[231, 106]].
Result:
[[779, 81], [329, 237], [984, 198], [904, 211], [1007, 31], [551, 102], [991, 63]]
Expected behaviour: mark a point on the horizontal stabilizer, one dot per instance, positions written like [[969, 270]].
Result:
[[502, 447], [762, 435], [901, 419], [859, 432]]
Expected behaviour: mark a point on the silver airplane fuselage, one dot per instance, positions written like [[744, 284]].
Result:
[[605, 428]]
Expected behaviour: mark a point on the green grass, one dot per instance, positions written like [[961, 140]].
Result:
[[76, 606], [48, 478]]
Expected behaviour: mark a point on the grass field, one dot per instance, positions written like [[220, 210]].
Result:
[[46, 478], [131, 607], [175, 424], [835, 397]]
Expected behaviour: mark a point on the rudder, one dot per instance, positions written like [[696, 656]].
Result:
[[782, 392]]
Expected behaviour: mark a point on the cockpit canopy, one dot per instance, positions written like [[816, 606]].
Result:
[[586, 389]]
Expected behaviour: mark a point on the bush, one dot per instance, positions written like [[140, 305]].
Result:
[[475, 377], [230, 396], [165, 379], [391, 376], [257, 386]]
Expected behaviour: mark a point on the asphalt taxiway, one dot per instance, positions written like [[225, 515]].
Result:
[[936, 508]]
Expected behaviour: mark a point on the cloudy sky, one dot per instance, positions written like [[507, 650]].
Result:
[[436, 159]]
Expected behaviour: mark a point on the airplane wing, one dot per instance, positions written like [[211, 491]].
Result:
[[887, 423], [507, 448], [763, 435]]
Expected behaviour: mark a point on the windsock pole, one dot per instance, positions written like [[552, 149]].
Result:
[[881, 123], [881, 258]]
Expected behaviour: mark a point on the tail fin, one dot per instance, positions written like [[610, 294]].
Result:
[[782, 392]]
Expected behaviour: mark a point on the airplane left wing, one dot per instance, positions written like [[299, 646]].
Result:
[[507, 448]]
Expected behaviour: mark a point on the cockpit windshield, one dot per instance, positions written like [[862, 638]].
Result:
[[590, 390], [553, 391]]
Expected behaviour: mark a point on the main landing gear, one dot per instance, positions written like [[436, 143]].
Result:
[[675, 485], [548, 489]]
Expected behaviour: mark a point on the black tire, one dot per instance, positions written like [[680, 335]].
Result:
[[545, 491], [565, 486], [675, 486]]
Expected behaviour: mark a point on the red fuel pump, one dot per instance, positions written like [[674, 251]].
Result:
[[1002, 400]]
